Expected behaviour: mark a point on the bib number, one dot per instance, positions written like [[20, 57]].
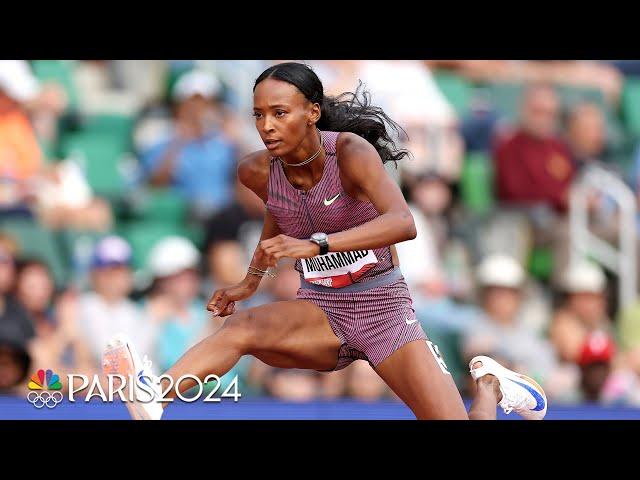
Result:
[[338, 269]]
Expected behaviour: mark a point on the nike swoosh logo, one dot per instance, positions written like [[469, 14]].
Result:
[[329, 202], [540, 403], [409, 322]]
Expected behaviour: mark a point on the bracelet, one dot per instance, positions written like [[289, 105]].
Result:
[[260, 273]]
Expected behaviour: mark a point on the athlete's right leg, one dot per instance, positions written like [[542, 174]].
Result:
[[289, 334], [418, 375]]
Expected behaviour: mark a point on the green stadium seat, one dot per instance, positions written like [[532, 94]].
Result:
[[456, 90], [541, 263], [631, 107], [505, 98], [110, 123], [36, 241], [161, 204], [102, 156], [476, 183], [143, 234]]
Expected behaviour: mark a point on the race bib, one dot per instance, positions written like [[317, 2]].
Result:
[[338, 269]]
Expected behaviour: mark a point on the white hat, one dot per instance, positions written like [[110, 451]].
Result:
[[584, 277], [500, 270], [17, 81], [196, 82], [172, 255]]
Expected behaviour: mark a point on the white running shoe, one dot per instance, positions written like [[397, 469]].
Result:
[[120, 357], [519, 392]]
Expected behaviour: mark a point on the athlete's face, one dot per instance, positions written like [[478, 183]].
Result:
[[283, 116]]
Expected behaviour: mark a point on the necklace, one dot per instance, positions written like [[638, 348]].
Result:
[[308, 160]]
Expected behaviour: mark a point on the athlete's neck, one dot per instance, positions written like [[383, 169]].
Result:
[[309, 147]]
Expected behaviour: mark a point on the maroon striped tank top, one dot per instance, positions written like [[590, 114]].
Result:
[[325, 208]]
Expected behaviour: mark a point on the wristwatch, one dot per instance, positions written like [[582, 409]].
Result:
[[322, 240]]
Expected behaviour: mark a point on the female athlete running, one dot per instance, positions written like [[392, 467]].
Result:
[[332, 206]]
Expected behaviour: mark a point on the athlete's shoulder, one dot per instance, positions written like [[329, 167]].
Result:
[[355, 154], [254, 166], [350, 143], [253, 172]]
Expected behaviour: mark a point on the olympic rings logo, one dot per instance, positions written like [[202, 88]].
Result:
[[40, 399]]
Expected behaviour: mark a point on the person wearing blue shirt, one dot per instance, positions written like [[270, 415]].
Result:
[[199, 160]]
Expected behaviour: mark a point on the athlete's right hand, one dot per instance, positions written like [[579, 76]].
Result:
[[223, 300]]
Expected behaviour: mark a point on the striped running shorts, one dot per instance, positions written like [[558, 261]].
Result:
[[372, 319]]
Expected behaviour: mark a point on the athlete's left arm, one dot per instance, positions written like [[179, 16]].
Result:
[[362, 168]]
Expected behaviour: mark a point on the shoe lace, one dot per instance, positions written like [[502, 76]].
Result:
[[509, 403]]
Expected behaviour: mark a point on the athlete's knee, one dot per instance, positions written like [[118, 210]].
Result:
[[241, 330]]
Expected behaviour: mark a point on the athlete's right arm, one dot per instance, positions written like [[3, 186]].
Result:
[[253, 172]]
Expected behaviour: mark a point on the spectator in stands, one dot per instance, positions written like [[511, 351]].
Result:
[[586, 136], [15, 363], [57, 344], [595, 359], [569, 73], [35, 290], [500, 330], [20, 155], [605, 377], [583, 311], [16, 327], [107, 310], [533, 166], [199, 159], [425, 264], [8, 251], [586, 133], [174, 304], [15, 318], [58, 194], [533, 172]]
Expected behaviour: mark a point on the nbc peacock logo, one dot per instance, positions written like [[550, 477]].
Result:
[[41, 382]]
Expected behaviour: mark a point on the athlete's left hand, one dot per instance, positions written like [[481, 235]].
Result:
[[284, 246]]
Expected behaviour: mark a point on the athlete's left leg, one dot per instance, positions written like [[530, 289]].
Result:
[[420, 378]]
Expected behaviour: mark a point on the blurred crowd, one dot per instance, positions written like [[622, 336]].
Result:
[[120, 211]]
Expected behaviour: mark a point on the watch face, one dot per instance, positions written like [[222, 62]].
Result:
[[319, 237]]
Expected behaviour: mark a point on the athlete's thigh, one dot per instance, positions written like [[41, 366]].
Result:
[[426, 386], [293, 334]]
